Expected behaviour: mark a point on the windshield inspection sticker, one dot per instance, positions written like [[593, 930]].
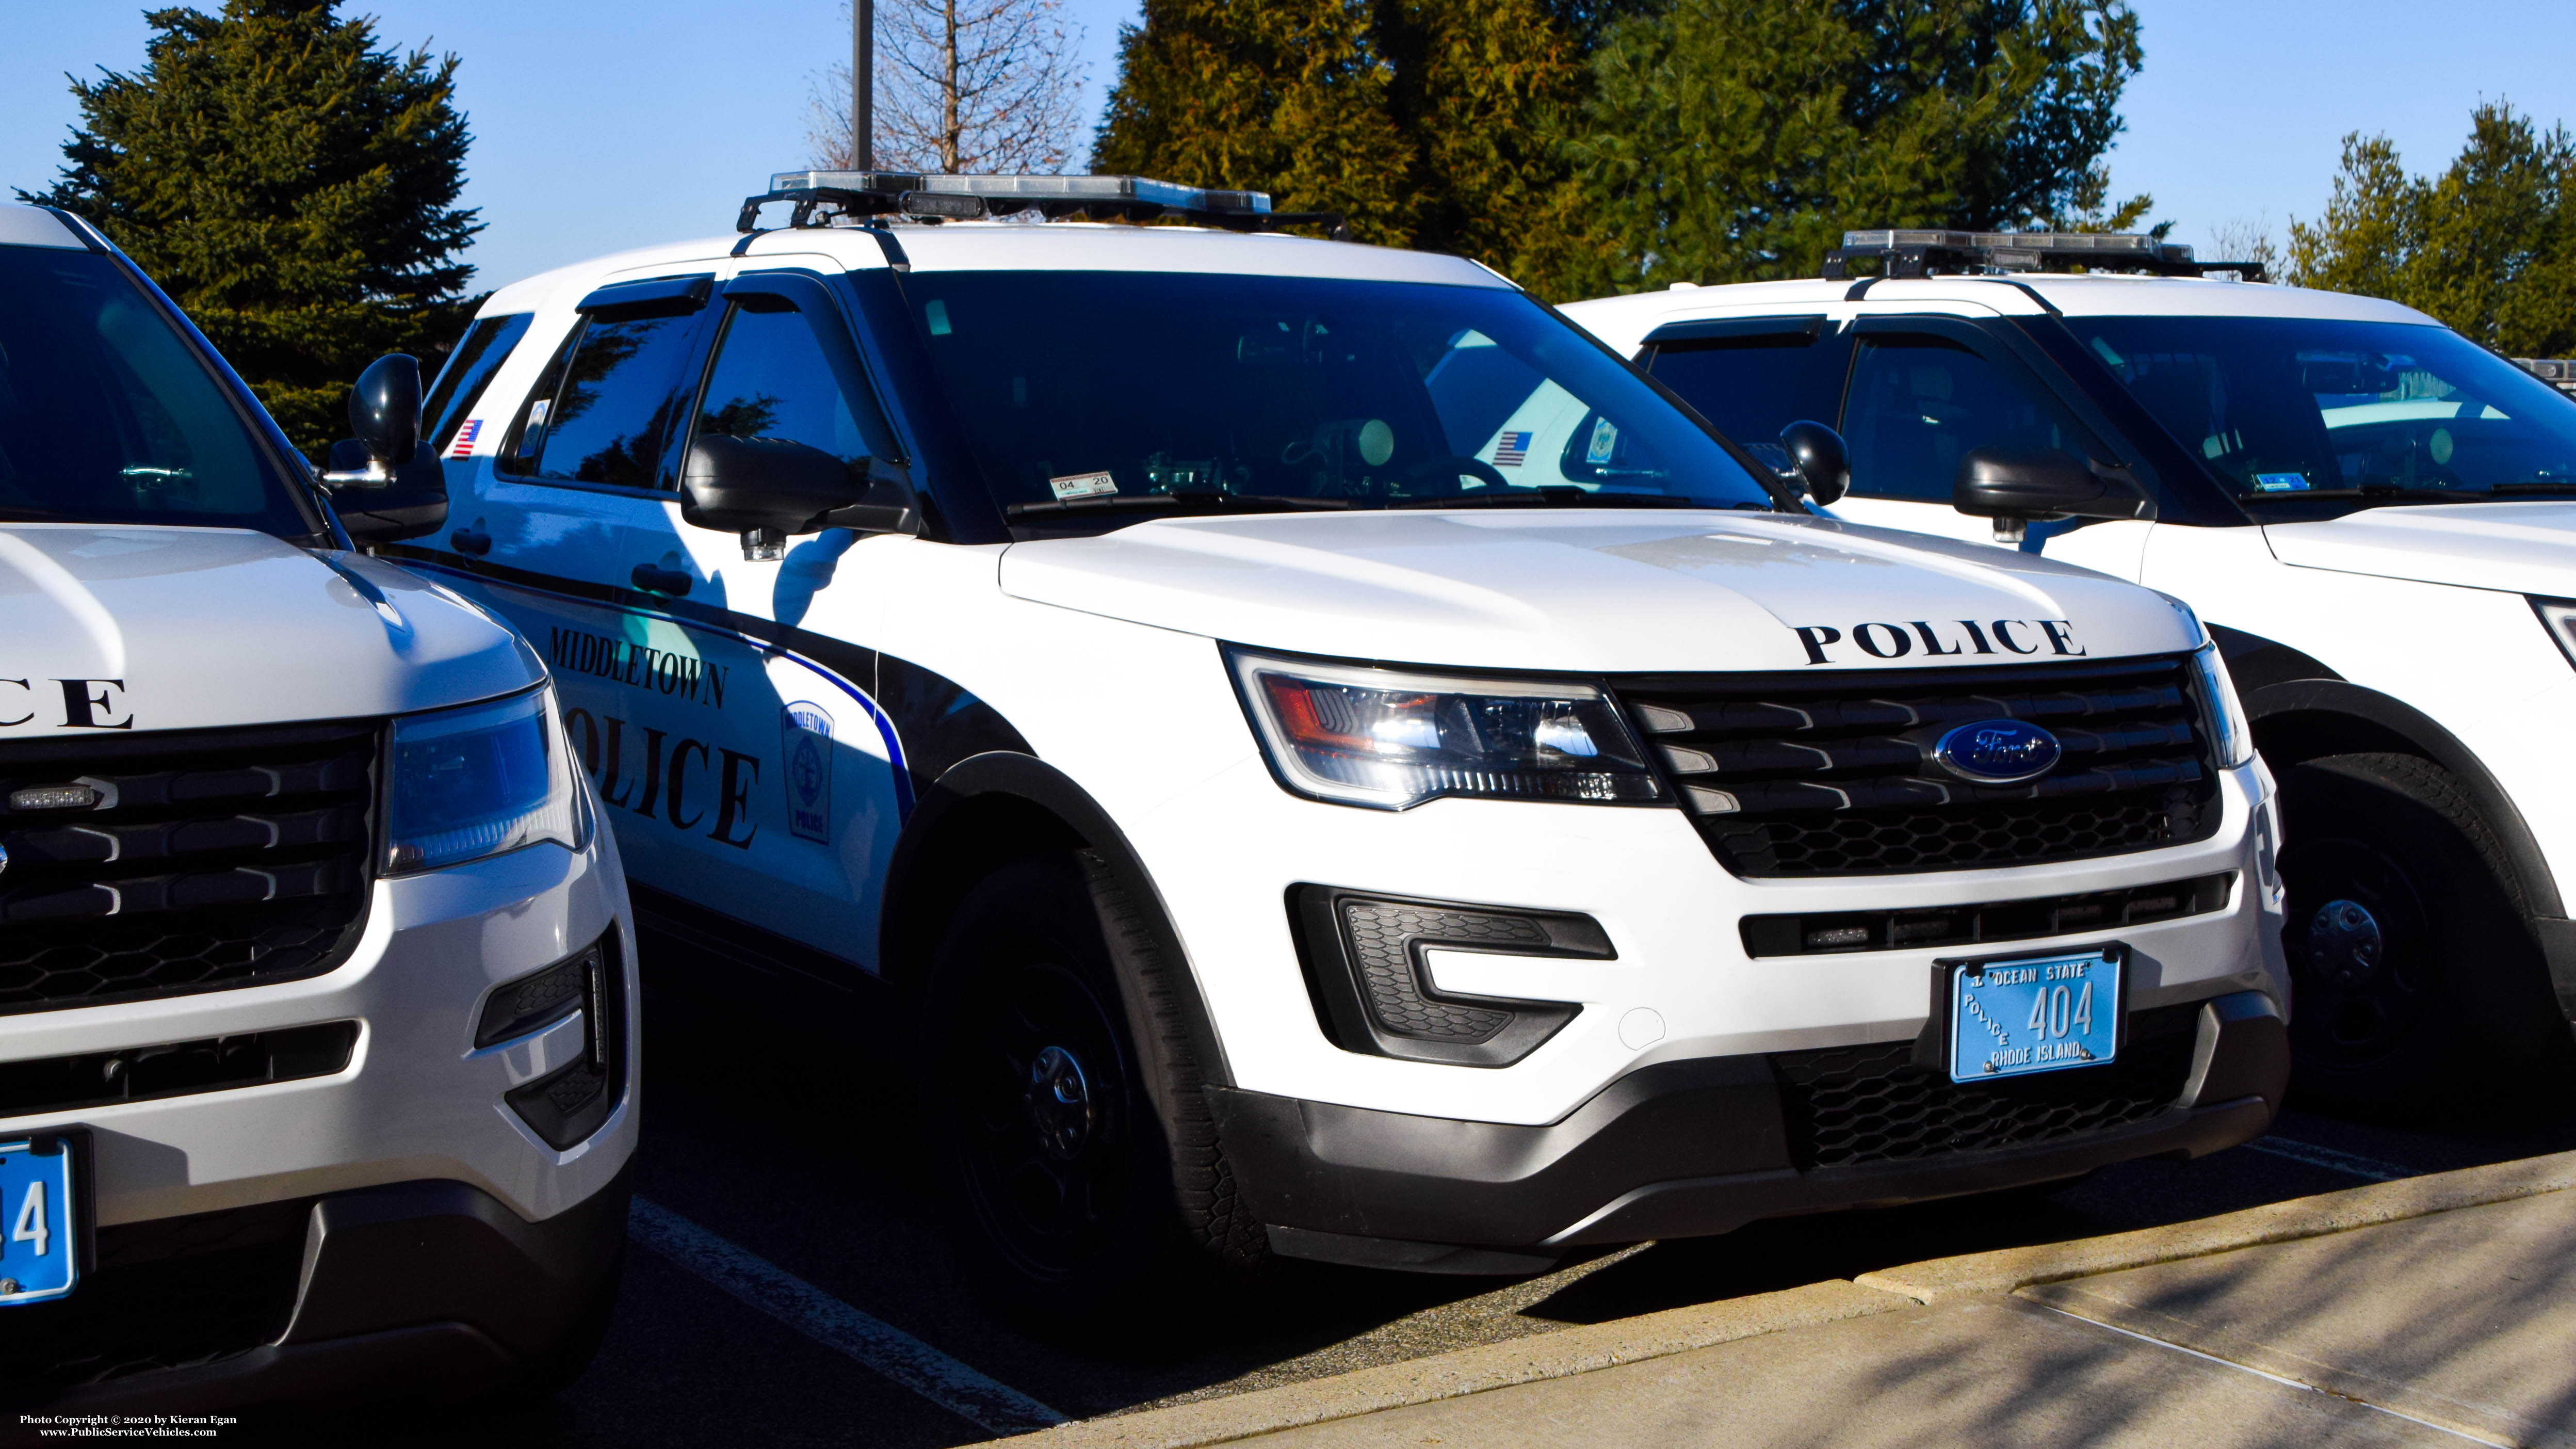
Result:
[[1604, 443], [2281, 482], [806, 740], [1082, 485]]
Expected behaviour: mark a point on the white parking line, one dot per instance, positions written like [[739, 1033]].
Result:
[[2327, 1157], [996, 1407]]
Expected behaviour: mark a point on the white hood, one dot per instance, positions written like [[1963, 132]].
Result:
[[180, 628], [1596, 591], [2525, 548]]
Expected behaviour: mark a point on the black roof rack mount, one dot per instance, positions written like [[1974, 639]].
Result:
[[1930, 253], [821, 197]]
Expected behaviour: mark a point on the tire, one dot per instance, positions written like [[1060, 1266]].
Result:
[[2416, 977], [1062, 1097]]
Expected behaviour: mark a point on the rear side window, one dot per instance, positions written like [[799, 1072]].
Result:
[[1753, 386], [617, 405], [478, 355], [1918, 402]]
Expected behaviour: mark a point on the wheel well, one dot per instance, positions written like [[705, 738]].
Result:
[[968, 841]]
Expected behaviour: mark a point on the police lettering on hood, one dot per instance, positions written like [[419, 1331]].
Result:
[[1928, 638]]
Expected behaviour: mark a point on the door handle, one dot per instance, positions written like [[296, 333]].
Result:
[[470, 541], [655, 579]]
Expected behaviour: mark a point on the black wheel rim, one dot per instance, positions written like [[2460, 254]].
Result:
[[1039, 1124], [2362, 960]]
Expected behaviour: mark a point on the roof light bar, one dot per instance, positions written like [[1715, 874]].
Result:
[[2559, 373], [1929, 252], [820, 197]]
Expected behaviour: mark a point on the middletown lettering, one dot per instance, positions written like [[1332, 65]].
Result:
[[639, 666]]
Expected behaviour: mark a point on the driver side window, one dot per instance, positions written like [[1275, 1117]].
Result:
[[772, 380], [1918, 402]]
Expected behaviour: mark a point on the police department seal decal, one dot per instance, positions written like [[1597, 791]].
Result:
[[806, 740]]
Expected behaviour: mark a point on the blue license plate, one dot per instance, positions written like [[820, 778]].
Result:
[[39, 1220], [2038, 1014]]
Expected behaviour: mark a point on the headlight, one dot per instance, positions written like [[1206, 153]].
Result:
[[2560, 616], [480, 781], [1377, 737], [2221, 711]]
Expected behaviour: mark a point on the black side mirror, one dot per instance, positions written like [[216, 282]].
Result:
[[2016, 487], [384, 412], [768, 488], [1818, 460], [400, 491]]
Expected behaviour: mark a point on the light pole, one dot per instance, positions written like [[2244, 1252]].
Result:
[[863, 83]]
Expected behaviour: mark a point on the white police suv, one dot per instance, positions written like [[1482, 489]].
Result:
[[1333, 760], [315, 1075], [2377, 517]]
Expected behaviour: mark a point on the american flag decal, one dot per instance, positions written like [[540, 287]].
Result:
[[1511, 450], [465, 436]]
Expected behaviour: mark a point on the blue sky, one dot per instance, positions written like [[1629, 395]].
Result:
[[600, 125]]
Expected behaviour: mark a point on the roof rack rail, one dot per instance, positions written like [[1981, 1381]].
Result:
[[1927, 253], [2559, 373], [821, 197]]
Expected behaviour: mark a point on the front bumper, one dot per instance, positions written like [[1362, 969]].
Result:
[[396, 1224], [1676, 1149]]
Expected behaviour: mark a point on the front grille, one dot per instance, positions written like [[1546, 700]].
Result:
[[172, 1293], [1845, 1106], [1790, 775], [1929, 927], [163, 864]]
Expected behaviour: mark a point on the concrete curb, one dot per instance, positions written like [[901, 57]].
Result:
[[2007, 1269], [1602, 1345], [1468, 1370]]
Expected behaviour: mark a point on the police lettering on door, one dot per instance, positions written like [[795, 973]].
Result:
[[659, 773]]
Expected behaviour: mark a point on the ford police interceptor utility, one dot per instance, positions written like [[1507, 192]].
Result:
[[2376, 516], [1333, 760], [314, 1002]]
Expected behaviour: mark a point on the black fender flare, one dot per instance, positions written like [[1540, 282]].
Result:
[[1025, 781], [2394, 716]]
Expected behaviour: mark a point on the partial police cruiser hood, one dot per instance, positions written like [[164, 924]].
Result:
[[2524, 547], [138, 628], [1597, 592]]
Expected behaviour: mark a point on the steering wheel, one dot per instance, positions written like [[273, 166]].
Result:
[[1459, 465]]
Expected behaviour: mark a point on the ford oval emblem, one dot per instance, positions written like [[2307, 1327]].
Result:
[[1998, 752]]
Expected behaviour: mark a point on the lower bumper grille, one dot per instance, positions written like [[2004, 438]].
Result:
[[164, 864], [171, 1293], [1845, 1106]]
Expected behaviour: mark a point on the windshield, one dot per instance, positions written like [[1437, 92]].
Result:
[[107, 415], [2283, 407], [1084, 390]]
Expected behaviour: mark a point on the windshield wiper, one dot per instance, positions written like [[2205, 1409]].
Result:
[[1193, 501], [2535, 485], [1563, 497]]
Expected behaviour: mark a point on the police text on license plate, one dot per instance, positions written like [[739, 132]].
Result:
[[2037, 1014], [39, 1221]]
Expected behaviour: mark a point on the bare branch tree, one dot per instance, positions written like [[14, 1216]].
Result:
[[2239, 240], [961, 86]]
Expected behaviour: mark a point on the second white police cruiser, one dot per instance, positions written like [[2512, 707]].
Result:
[[1304, 812], [2376, 515]]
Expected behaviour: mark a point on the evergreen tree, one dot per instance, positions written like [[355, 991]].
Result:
[[291, 186], [1285, 96], [1736, 140], [2486, 246]]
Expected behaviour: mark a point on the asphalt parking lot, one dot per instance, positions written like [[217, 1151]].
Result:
[[782, 1167]]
